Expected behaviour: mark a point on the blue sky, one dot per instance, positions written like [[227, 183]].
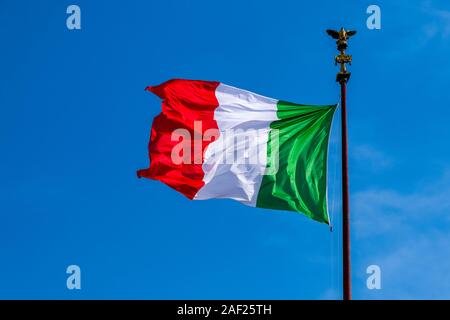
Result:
[[74, 128]]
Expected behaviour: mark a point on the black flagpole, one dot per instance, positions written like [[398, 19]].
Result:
[[342, 77]]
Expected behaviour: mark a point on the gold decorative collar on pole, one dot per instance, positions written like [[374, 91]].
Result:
[[342, 58]]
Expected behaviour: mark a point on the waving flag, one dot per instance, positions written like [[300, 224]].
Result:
[[212, 140]]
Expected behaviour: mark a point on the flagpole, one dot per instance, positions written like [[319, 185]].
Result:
[[346, 263], [342, 77]]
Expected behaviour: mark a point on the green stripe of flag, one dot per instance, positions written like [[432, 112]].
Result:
[[300, 183]]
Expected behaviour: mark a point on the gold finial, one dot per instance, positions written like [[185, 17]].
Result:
[[342, 58]]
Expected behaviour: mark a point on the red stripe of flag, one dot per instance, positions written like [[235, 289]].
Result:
[[184, 101]]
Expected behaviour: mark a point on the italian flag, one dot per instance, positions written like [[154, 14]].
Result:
[[212, 140]]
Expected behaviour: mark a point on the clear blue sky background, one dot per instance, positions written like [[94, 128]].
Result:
[[74, 127]]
